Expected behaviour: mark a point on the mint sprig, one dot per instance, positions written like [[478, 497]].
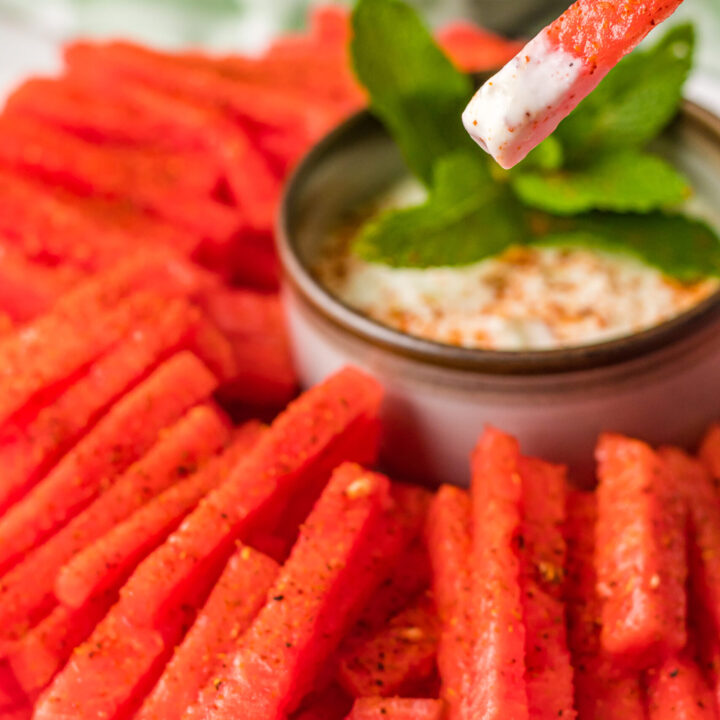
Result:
[[682, 247], [414, 88], [621, 181], [466, 218], [594, 183]]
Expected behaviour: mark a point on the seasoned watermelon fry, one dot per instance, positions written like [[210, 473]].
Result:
[[28, 451], [258, 106], [496, 687], [54, 350], [180, 449], [141, 116], [409, 576], [320, 590], [151, 180], [41, 652], [601, 691], [402, 563], [703, 502], [115, 668], [542, 557], [254, 322], [58, 228], [325, 74], [127, 431], [103, 564], [397, 658], [28, 289], [584, 605], [233, 604], [640, 554], [328, 424], [132, 655], [396, 709], [677, 689], [333, 421], [85, 323], [450, 543], [473, 49], [252, 182], [524, 103], [89, 169], [710, 451]]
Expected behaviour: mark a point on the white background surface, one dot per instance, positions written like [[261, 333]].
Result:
[[32, 32]]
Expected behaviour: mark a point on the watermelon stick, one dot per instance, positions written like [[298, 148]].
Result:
[[406, 567], [473, 49], [27, 288], [181, 448], [251, 104], [333, 421], [232, 606], [396, 709], [141, 117], [523, 104], [677, 689], [120, 438], [29, 450], [601, 691], [103, 564], [409, 576], [542, 557], [40, 654], [52, 353], [640, 554], [329, 575], [398, 658], [450, 544], [496, 686], [704, 509], [55, 349], [154, 181]]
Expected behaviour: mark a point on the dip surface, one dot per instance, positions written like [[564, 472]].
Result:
[[530, 298]]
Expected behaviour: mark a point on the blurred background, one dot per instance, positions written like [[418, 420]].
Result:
[[32, 30]]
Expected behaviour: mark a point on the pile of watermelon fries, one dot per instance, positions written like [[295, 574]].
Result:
[[163, 556]]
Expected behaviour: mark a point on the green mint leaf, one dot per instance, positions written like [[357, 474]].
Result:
[[467, 218], [636, 100], [625, 181], [681, 247], [414, 88]]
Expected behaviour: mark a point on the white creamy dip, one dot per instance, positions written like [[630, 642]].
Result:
[[525, 101], [527, 299]]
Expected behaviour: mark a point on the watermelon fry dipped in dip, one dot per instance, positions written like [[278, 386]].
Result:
[[523, 103]]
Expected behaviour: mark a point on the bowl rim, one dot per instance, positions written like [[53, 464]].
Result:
[[492, 362]]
